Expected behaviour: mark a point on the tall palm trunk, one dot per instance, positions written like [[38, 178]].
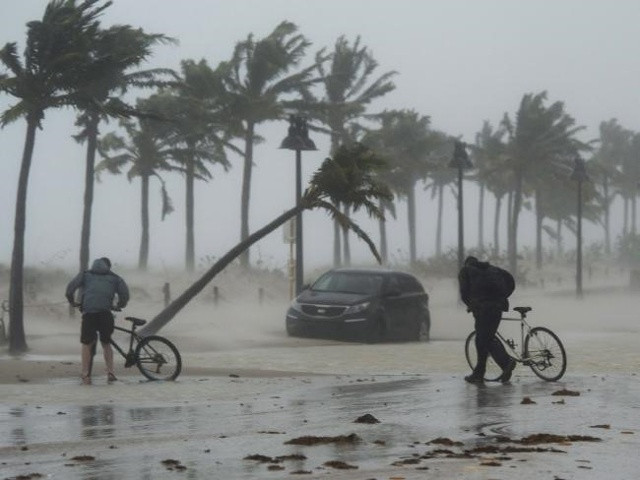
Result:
[[337, 244], [539, 219], [246, 191], [383, 234], [190, 246], [607, 208], [439, 220], [411, 220], [513, 230], [481, 219], [559, 238], [17, 340], [345, 240], [496, 227], [181, 301], [633, 213], [85, 235], [143, 257]]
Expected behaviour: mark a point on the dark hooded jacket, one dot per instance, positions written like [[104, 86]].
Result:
[[99, 287], [483, 284]]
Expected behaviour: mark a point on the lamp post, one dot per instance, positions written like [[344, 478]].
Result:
[[579, 174], [460, 160], [298, 139]]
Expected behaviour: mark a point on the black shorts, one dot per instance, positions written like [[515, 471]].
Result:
[[94, 323]]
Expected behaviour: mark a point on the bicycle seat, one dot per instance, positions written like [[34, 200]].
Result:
[[522, 310], [136, 321]]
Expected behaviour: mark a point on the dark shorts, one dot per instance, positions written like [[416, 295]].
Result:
[[94, 324]]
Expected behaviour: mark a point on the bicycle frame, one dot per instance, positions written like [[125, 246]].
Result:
[[525, 328], [132, 337]]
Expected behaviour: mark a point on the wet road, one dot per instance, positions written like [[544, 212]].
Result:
[[208, 427]]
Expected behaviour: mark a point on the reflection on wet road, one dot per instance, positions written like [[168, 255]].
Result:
[[436, 423]]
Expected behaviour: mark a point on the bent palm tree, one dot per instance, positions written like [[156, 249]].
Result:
[[362, 190]]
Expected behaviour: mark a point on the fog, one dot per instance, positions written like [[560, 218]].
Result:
[[460, 62]]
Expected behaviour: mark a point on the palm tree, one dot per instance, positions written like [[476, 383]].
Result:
[[539, 142], [147, 153], [56, 54], [405, 139], [115, 51], [358, 184], [488, 152], [614, 142], [259, 83], [199, 131], [349, 88]]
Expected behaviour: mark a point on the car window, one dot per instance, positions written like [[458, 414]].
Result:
[[409, 284], [349, 282]]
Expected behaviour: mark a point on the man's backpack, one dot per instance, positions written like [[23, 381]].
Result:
[[496, 283]]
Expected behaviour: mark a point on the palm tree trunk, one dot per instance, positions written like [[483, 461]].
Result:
[[496, 227], [607, 212], [383, 235], [166, 315], [246, 191], [190, 246], [513, 230], [85, 235], [633, 213], [439, 221], [559, 239], [625, 226], [481, 219], [17, 340], [539, 218], [345, 240], [411, 220], [143, 257], [337, 247]]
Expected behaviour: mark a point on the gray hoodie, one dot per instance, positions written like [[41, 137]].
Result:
[[99, 287]]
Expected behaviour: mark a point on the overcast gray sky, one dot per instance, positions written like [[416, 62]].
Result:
[[460, 62]]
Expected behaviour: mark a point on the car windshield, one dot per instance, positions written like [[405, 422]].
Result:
[[349, 282]]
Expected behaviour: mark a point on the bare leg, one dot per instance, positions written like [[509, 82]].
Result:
[[107, 351], [86, 356]]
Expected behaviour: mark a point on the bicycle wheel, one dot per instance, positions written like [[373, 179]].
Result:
[[158, 359], [544, 353], [493, 371]]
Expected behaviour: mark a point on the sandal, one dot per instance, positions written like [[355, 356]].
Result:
[[86, 379], [111, 377]]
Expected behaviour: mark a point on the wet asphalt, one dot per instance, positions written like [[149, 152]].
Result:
[[360, 427]]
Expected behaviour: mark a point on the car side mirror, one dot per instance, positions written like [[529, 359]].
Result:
[[306, 286]]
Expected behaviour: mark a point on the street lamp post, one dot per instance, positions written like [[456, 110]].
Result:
[[298, 139], [579, 174], [460, 160]]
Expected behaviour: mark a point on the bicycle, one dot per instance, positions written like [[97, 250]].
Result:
[[155, 356], [541, 350]]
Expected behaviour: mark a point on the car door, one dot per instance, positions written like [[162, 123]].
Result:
[[395, 307], [413, 298]]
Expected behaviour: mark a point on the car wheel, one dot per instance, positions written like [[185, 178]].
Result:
[[423, 333], [375, 330]]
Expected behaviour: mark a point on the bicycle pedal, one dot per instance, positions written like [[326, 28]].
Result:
[[129, 361]]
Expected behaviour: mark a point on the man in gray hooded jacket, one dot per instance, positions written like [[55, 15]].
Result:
[[99, 286]]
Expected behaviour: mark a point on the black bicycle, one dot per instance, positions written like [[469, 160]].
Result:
[[540, 349], [155, 356]]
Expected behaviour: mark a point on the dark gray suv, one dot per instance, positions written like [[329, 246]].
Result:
[[362, 304]]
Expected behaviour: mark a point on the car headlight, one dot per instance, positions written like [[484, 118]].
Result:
[[360, 307], [296, 306]]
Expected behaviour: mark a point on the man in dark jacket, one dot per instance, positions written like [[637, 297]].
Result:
[[484, 289], [99, 287]]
